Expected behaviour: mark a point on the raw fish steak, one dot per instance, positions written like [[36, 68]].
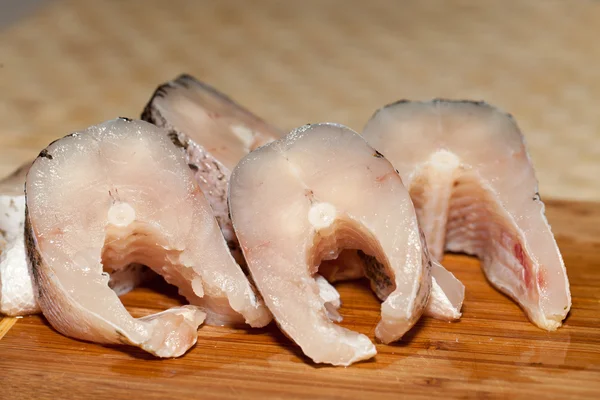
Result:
[[17, 294], [117, 194], [305, 198], [474, 188]]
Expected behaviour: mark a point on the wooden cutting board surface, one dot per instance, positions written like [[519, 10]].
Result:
[[493, 352]]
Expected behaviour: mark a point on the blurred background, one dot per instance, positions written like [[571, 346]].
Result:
[[67, 64]]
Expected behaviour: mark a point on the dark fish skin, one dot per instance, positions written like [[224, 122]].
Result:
[[439, 100], [186, 80], [34, 259], [204, 166], [152, 114], [210, 173], [199, 161], [35, 266]]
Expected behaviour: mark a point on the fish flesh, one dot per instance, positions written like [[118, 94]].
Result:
[[17, 293], [303, 199], [474, 188], [447, 292], [120, 193], [215, 132], [16, 286]]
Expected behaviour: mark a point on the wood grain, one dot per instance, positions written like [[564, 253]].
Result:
[[493, 352], [5, 324]]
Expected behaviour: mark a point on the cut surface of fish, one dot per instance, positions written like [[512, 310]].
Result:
[[215, 133], [17, 292], [303, 199], [475, 191], [447, 292], [117, 194], [16, 285]]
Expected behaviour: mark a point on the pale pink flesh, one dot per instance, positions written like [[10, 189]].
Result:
[[216, 133], [475, 191], [121, 193], [302, 199], [17, 295], [447, 292], [210, 119]]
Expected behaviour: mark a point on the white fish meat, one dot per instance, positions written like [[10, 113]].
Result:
[[17, 293], [212, 119], [475, 191], [306, 197], [447, 292], [120, 193], [16, 286], [215, 132]]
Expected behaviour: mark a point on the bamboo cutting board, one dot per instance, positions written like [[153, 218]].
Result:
[[493, 352]]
